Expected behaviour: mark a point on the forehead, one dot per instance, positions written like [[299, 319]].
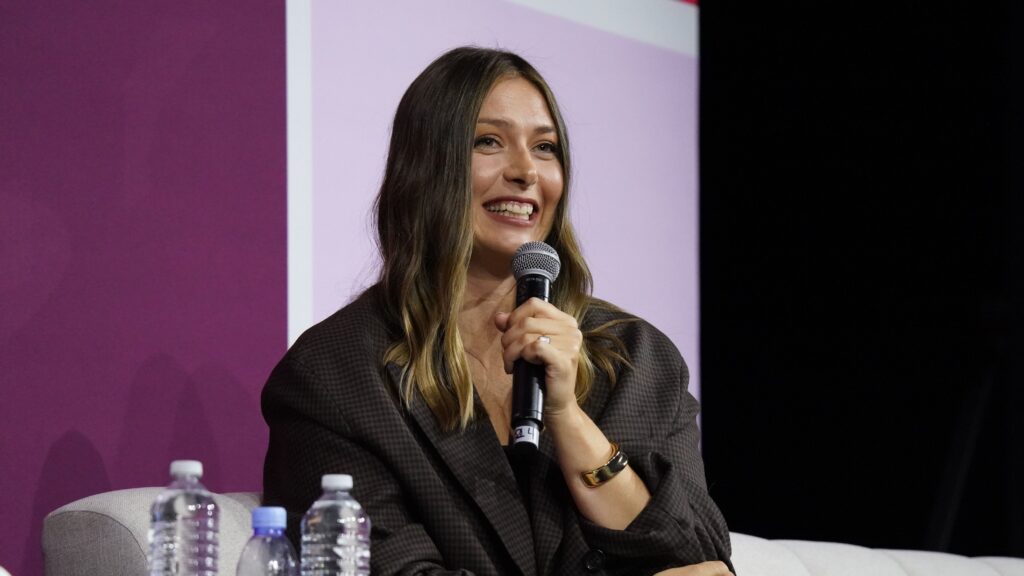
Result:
[[516, 99]]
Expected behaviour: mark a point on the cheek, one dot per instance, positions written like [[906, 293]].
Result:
[[483, 174], [552, 187]]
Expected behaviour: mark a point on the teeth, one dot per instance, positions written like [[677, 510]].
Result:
[[511, 208], [513, 215]]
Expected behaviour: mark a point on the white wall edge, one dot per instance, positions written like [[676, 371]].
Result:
[[299, 34], [669, 24]]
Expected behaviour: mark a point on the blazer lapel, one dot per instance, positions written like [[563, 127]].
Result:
[[478, 462], [547, 513], [550, 502]]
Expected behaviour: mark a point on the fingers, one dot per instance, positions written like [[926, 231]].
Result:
[[540, 333], [715, 568], [534, 317], [523, 340], [537, 308], [521, 337]]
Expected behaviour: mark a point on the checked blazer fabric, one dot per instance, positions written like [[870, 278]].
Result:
[[449, 503]]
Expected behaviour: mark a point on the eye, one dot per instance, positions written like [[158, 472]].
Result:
[[486, 142], [548, 148]]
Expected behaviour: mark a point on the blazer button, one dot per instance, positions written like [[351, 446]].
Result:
[[594, 560]]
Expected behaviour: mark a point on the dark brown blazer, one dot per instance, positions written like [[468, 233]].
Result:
[[449, 503]]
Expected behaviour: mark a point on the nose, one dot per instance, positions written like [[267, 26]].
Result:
[[521, 167]]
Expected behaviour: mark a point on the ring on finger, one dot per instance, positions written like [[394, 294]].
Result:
[[543, 339]]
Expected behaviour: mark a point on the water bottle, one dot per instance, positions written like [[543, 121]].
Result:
[[268, 552], [336, 532], [183, 533]]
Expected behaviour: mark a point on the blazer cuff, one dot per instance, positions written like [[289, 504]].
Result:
[[667, 531]]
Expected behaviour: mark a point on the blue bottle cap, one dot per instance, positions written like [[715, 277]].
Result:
[[269, 517]]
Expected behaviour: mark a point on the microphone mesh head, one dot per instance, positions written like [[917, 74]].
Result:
[[536, 258]]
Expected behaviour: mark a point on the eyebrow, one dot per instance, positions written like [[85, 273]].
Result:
[[542, 129]]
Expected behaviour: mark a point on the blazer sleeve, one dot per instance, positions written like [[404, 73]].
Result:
[[680, 525], [309, 439]]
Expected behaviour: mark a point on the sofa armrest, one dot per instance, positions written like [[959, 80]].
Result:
[[107, 534], [753, 556]]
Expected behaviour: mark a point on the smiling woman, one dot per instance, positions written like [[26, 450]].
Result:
[[517, 172], [393, 388]]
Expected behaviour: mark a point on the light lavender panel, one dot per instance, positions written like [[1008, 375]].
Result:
[[631, 111]]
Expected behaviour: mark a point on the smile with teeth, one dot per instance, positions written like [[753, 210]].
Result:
[[517, 210]]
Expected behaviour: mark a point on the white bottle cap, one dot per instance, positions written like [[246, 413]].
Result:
[[187, 468], [336, 482]]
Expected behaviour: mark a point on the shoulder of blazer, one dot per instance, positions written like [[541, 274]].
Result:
[[340, 360], [356, 334], [639, 335]]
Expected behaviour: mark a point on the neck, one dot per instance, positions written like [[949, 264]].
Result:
[[486, 294]]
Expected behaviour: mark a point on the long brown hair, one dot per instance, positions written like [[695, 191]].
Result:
[[425, 232]]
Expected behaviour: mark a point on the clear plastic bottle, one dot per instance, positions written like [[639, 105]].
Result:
[[268, 552], [183, 534], [336, 532]]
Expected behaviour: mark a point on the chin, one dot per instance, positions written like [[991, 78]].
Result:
[[509, 247], [498, 253]]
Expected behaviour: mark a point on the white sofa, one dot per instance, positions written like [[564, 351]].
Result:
[[105, 535]]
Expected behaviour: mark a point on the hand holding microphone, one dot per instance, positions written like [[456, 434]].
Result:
[[541, 345]]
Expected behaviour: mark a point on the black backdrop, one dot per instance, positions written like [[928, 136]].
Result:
[[862, 232]]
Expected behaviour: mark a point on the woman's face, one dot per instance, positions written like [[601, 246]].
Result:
[[517, 176]]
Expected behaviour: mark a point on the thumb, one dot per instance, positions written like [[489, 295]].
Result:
[[501, 320]]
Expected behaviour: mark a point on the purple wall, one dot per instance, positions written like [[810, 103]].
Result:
[[142, 247]]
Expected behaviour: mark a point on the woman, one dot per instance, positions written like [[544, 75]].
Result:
[[408, 389]]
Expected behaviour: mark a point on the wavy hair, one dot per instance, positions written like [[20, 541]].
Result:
[[425, 233]]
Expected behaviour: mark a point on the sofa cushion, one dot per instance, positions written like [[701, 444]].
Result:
[[753, 556], [108, 534]]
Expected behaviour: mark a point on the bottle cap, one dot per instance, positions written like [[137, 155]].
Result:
[[187, 468], [269, 517], [336, 482]]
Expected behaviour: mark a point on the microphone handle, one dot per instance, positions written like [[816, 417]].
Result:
[[528, 378]]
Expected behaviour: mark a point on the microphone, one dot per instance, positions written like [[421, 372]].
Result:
[[535, 266]]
